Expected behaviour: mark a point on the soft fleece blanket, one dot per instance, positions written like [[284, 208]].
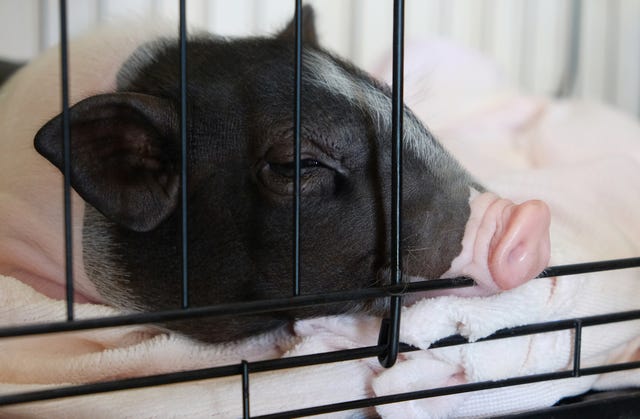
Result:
[[583, 159]]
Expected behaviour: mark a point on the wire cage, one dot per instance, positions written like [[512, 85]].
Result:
[[389, 346]]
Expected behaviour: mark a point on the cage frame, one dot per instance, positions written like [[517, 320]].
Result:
[[389, 345]]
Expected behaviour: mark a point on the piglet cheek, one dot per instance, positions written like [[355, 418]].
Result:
[[520, 248]]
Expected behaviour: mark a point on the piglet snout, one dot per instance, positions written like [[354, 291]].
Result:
[[519, 248], [504, 244]]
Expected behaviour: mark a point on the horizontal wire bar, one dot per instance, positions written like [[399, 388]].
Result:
[[121, 384], [545, 327], [288, 303], [190, 375], [316, 359], [603, 369], [240, 308], [282, 363], [588, 267], [445, 391], [414, 395]]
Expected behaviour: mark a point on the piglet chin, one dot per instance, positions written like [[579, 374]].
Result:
[[504, 244]]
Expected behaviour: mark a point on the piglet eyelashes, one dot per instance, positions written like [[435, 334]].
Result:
[[276, 178], [287, 169]]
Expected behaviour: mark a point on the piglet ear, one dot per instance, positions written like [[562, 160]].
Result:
[[309, 34], [124, 156]]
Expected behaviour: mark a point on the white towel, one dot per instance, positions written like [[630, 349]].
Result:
[[106, 354]]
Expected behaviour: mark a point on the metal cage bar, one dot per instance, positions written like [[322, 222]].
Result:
[[183, 152], [390, 329], [577, 346], [255, 307], [360, 353], [66, 147], [246, 412], [297, 87], [345, 355]]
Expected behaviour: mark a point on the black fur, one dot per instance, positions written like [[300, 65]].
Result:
[[126, 164]]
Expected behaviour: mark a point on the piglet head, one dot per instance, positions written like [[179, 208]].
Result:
[[125, 163]]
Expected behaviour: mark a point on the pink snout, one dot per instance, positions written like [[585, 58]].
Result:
[[504, 245], [520, 247]]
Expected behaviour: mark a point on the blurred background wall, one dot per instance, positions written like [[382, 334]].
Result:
[[531, 40]]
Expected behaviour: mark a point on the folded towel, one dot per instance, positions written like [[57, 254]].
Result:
[[40, 362]]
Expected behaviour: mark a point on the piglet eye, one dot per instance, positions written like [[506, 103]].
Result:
[[287, 169], [276, 175]]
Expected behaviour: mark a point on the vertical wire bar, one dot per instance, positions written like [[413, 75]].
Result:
[[183, 149], [296, 146], [577, 346], [245, 390], [66, 149], [389, 355]]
